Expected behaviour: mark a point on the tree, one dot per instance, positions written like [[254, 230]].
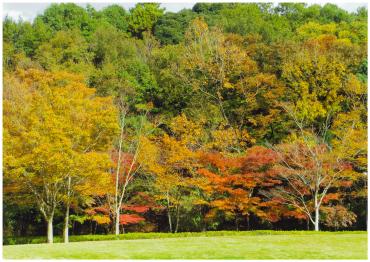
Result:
[[193, 87], [317, 77], [25, 36], [312, 167], [224, 77], [54, 128], [134, 152], [67, 16], [117, 16], [89, 170], [143, 17], [175, 166], [171, 27], [67, 50], [232, 183]]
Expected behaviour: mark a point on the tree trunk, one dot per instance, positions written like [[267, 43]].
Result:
[[308, 224], [169, 219], [317, 218], [66, 223], [50, 230], [168, 212], [117, 222], [236, 224], [177, 218], [317, 213], [118, 207], [66, 218]]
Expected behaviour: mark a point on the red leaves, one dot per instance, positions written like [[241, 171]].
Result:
[[127, 165], [137, 209], [258, 157], [96, 210], [127, 219]]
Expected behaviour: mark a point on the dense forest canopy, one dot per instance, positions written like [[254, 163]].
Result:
[[224, 116]]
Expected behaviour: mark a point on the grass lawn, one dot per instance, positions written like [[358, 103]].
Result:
[[236, 245]]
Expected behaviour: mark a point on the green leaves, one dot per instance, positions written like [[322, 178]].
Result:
[[143, 17]]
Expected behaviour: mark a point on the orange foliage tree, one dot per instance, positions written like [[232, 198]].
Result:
[[232, 184]]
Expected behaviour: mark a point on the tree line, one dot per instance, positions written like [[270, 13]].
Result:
[[234, 116]]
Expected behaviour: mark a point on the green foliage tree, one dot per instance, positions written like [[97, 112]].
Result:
[[171, 27], [67, 16], [143, 18], [116, 16], [67, 50]]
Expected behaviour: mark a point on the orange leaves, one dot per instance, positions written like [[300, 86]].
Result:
[[338, 216], [257, 157], [219, 161], [103, 210], [330, 197], [231, 182]]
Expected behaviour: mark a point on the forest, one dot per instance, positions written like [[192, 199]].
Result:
[[226, 116]]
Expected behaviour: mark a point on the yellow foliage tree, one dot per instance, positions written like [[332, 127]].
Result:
[[56, 133]]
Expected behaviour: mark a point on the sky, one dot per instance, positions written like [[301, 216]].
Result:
[[28, 11]]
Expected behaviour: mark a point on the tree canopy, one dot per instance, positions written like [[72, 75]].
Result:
[[224, 116]]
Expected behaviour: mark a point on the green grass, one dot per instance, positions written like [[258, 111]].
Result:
[[138, 235], [209, 245]]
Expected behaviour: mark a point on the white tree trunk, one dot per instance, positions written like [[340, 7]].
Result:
[[168, 212], [117, 222], [317, 218], [117, 205], [50, 230], [317, 207]]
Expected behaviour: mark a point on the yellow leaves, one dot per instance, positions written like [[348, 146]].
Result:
[[313, 29], [350, 140], [314, 78], [174, 160], [354, 86], [101, 219], [214, 59], [176, 152], [224, 139], [187, 131], [55, 127], [228, 85], [198, 28], [309, 109], [149, 155]]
